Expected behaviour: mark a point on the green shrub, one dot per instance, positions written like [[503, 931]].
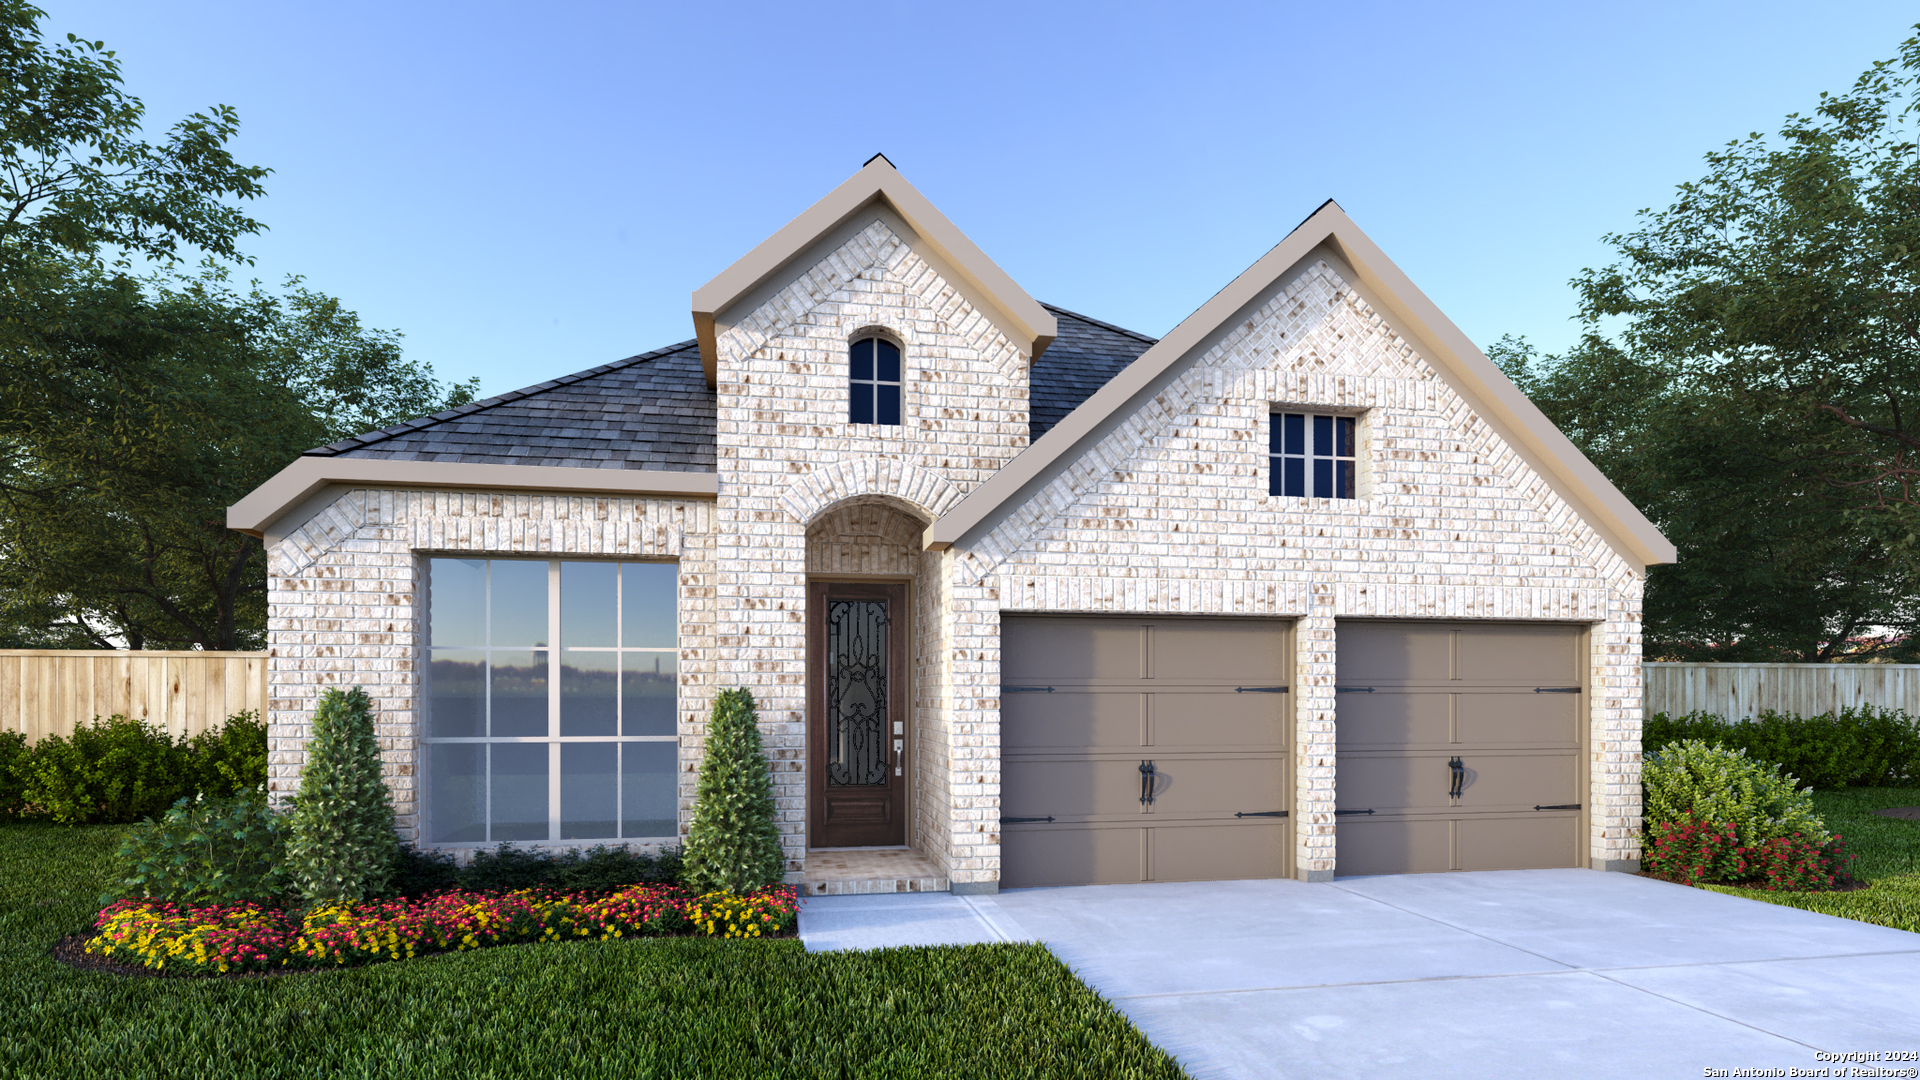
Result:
[[13, 774], [733, 843], [340, 839], [231, 758], [110, 771], [210, 850], [1696, 781], [600, 868], [1855, 747]]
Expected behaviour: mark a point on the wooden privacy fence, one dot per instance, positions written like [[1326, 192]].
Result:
[[48, 691], [1741, 691]]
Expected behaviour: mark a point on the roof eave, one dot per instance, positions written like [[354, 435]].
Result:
[[877, 181], [1618, 520]]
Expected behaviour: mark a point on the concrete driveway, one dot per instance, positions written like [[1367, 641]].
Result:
[[1525, 973]]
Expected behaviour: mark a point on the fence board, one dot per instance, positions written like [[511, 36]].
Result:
[[1741, 691], [47, 691]]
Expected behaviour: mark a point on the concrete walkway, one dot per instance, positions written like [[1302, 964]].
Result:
[[1526, 973]]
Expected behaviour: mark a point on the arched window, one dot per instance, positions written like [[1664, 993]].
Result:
[[873, 382]]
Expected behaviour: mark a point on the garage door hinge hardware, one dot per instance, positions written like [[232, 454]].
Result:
[[1556, 689], [1024, 820], [1026, 689], [1146, 783], [1337, 813], [1261, 813], [1568, 806], [1259, 689], [1353, 689]]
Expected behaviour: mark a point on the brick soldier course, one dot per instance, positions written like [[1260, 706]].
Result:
[[1108, 474]]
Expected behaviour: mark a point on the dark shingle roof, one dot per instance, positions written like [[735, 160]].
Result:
[[654, 411], [1081, 360], [651, 411]]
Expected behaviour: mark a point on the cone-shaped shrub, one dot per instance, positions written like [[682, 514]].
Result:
[[340, 839], [733, 844]]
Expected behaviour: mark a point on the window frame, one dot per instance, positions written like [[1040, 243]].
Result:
[[872, 386], [1319, 444], [556, 650]]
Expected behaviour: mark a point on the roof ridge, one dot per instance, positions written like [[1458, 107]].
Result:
[[368, 438], [1135, 334]]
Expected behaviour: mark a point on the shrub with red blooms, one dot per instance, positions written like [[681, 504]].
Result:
[[1705, 852], [248, 937]]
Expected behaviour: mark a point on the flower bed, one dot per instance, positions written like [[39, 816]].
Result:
[[247, 937]]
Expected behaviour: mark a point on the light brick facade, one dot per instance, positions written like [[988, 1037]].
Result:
[[1166, 513]]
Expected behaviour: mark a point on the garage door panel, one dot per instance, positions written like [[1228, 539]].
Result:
[[1519, 719], [1214, 852], [1518, 843], [1218, 719], [1042, 651], [1387, 781], [1393, 652], [1220, 786], [1540, 655], [1070, 789], [1070, 719], [1227, 651], [1395, 719], [1038, 855], [1394, 846], [1519, 779]]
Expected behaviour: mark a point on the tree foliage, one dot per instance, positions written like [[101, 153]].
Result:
[[134, 410], [1757, 394], [733, 844]]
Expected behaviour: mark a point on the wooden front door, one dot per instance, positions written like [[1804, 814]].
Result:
[[857, 671]]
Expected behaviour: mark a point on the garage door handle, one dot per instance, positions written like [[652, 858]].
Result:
[[1024, 820], [1353, 689], [1556, 689], [1459, 770], [1259, 689], [1337, 813], [1262, 813], [1146, 783], [1568, 806]]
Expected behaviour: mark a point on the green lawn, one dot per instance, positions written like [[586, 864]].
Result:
[[1889, 857], [664, 1008]]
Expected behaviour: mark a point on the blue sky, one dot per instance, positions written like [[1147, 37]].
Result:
[[528, 190]]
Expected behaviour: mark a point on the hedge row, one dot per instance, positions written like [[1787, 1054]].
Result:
[[118, 770], [1854, 747]]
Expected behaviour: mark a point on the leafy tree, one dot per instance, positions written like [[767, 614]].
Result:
[[733, 844], [133, 411], [340, 839], [1758, 400]]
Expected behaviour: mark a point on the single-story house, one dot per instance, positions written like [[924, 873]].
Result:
[[1304, 588]]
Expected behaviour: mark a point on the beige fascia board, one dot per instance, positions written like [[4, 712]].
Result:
[[293, 485], [1486, 388], [877, 181]]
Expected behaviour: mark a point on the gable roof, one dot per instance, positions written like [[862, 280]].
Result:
[[877, 181], [1485, 388]]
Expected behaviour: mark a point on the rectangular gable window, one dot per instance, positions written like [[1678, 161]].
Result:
[[550, 701], [1312, 455]]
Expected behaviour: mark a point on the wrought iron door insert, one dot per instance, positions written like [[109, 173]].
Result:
[[856, 692]]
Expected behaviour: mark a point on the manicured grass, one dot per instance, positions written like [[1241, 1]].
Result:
[[662, 1008], [1889, 857]]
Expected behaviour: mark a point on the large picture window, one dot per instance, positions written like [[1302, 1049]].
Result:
[[551, 701]]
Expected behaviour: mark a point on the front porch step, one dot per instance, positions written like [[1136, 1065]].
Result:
[[862, 871]]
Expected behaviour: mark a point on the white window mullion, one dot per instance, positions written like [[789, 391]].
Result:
[[553, 700]]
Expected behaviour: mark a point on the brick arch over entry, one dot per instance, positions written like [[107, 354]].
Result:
[[927, 492], [865, 535]]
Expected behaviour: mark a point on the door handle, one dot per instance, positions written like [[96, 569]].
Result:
[[1146, 783], [1459, 770]]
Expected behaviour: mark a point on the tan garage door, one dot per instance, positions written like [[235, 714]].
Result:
[[1143, 749], [1459, 746]]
